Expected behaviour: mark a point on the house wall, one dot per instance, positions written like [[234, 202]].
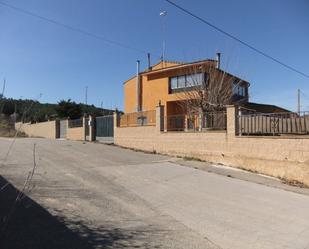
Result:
[[130, 96], [151, 94], [155, 87], [43, 129], [279, 157]]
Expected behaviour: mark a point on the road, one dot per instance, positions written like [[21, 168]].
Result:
[[101, 196]]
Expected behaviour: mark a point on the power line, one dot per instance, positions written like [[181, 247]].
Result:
[[304, 95], [72, 28], [237, 39]]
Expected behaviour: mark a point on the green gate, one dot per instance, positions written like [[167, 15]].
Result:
[[104, 127]]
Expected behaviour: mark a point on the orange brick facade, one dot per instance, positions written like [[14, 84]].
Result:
[[155, 88]]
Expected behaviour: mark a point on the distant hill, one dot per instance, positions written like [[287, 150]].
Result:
[[33, 111]]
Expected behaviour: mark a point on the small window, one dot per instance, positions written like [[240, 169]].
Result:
[[181, 81], [190, 80], [174, 83], [235, 88], [241, 91], [199, 78], [195, 79], [238, 89]]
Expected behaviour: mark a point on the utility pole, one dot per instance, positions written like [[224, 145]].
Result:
[[298, 101], [86, 95]]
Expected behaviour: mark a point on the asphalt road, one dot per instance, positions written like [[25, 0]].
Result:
[[101, 196]]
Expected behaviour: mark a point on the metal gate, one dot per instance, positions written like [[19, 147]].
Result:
[[105, 128], [63, 128]]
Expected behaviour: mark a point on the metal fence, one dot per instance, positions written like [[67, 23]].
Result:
[[274, 123], [74, 123], [104, 126], [145, 118], [196, 122]]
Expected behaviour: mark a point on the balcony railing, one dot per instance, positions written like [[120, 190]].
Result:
[[144, 118], [196, 122]]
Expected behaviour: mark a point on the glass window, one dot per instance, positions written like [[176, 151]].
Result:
[[199, 77], [181, 81], [239, 90], [235, 88], [195, 79], [190, 80], [243, 92], [174, 83], [185, 81]]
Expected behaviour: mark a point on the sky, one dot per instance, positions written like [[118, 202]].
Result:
[[38, 57]]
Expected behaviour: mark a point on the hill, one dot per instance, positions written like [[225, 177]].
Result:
[[33, 111]]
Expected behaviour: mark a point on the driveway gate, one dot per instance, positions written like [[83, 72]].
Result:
[[63, 128], [105, 128]]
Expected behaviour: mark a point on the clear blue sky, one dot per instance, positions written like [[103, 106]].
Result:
[[39, 57]]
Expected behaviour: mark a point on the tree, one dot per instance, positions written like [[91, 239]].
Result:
[[8, 107], [203, 92], [67, 108], [209, 89]]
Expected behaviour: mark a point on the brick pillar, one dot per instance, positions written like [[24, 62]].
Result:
[[57, 127], [200, 119], [116, 120], [91, 129], [231, 120], [160, 118], [84, 128]]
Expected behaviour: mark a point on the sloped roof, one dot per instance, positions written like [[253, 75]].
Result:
[[175, 65], [264, 108]]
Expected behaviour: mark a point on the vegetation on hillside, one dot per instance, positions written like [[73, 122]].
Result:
[[34, 111]]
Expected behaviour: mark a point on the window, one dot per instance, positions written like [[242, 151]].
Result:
[[181, 81], [187, 81], [238, 89], [174, 83], [190, 80]]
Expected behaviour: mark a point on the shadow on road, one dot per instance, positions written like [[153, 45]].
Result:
[[30, 226]]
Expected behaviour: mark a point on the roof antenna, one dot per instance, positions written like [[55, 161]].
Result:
[[163, 14]]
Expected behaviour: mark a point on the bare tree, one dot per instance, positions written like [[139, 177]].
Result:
[[203, 91], [208, 89]]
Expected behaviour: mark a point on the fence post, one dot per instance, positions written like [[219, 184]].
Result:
[[116, 120], [232, 120], [200, 119], [84, 128], [160, 118], [91, 129], [57, 127]]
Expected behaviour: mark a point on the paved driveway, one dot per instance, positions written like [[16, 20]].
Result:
[[101, 196]]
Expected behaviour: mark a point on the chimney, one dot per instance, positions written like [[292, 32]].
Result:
[[218, 55], [138, 86], [149, 62]]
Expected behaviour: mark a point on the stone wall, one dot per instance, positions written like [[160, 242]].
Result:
[[77, 133], [50, 129], [43, 129], [284, 157]]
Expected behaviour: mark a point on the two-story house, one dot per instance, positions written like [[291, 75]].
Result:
[[171, 84], [165, 81]]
